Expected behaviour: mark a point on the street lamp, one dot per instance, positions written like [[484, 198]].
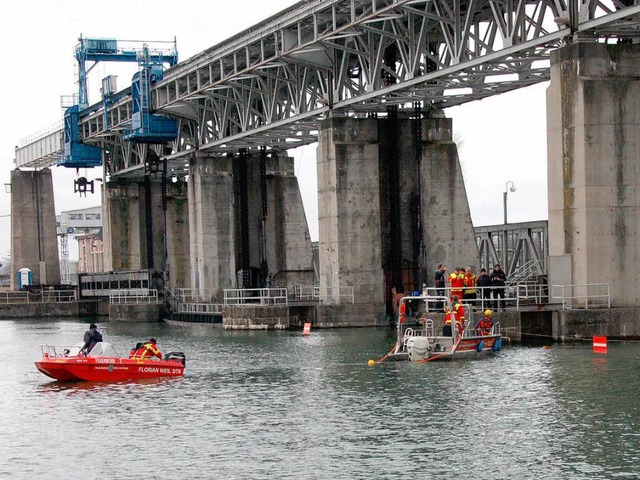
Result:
[[507, 189]]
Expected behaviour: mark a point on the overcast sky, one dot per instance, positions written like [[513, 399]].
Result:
[[500, 139]]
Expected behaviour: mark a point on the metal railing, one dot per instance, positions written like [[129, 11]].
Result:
[[210, 308], [133, 296], [193, 295], [585, 296], [321, 294], [336, 295], [255, 296], [42, 296]]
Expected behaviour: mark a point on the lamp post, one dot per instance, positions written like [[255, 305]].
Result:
[[507, 189], [505, 234]]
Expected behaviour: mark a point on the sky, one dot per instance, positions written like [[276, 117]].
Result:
[[500, 139]]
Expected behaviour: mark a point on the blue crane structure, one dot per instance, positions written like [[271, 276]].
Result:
[[145, 126]]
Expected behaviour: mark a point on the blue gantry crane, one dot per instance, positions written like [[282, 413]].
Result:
[[146, 127]]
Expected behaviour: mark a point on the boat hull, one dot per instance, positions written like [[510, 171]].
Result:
[[421, 349], [104, 369]]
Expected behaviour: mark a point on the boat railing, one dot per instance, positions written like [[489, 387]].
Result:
[[58, 351], [133, 296]]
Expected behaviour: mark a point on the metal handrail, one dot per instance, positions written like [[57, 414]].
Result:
[[570, 296], [133, 296], [255, 296], [42, 296]]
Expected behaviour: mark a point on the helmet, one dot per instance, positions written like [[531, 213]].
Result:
[[488, 313]]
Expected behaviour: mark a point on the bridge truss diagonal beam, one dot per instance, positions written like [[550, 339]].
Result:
[[271, 84]]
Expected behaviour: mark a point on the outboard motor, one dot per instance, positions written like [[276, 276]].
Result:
[[176, 357]]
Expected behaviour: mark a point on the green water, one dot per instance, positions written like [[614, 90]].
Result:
[[280, 405]]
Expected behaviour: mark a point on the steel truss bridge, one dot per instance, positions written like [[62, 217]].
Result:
[[268, 86]]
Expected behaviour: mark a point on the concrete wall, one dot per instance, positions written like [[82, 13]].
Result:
[[34, 243], [593, 113], [375, 176], [141, 312], [83, 309]]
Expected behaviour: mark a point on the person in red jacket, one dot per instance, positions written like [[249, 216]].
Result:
[[458, 315], [149, 349], [484, 326]]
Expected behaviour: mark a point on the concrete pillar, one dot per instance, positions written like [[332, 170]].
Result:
[[34, 244], [593, 113], [177, 274], [212, 225], [392, 205], [135, 234], [288, 254], [247, 224], [122, 238], [449, 237], [349, 210]]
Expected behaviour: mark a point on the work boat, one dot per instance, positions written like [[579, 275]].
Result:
[[104, 364], [419, 340]]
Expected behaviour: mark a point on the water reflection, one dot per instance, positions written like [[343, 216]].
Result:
[[282, 405]]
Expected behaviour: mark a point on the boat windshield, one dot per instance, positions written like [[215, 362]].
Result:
[[103, 349]]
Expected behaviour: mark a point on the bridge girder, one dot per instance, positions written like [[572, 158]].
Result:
[[269, 85]]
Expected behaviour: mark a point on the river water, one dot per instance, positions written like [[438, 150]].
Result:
[[279, 405]]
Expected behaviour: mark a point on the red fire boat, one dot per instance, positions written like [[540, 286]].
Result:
[[68, 364]]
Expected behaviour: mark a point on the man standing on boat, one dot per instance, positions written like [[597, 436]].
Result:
[[458, 315], [91, 337], [440, 284]]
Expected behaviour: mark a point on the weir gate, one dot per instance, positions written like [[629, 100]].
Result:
[[198, 183]]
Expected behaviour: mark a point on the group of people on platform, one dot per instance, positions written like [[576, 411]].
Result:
[[141, 350], [465, 284], [456, 316]]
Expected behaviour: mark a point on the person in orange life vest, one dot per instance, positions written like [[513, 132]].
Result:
[[485, 324], [458, 314], [470, 282], [149, 349], [132, 352], [456, 279]]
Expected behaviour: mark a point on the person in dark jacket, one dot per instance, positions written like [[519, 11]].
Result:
[[484, 284], [498, 280], [440, 284], [91, 337]]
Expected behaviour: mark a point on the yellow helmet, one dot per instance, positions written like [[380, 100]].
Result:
[[488, 313]]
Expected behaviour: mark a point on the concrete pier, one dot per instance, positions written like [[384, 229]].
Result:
[[392, 206], [34, 244], [247, 224], [143, 230], [593, 113]]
